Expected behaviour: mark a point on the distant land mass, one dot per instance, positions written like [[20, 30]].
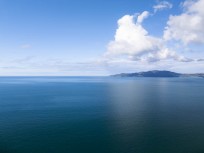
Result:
[[157, 73]]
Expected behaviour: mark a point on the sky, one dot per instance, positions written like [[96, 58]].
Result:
[[100, 37]]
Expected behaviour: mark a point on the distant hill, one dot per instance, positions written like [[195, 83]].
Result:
[[157, 73]]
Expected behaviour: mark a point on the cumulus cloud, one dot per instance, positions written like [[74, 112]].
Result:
[[131, 38], [188, 26], [133, 41], [162, 5]]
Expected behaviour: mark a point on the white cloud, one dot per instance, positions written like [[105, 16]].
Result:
[[162, 5], [132, 41], [188, 26]]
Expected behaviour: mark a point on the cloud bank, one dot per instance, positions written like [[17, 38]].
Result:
[[134, 47], [133, 41]]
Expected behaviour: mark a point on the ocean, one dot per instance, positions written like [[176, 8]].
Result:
[[101, 115]]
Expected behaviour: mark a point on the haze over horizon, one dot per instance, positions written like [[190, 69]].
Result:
[[92, 37]]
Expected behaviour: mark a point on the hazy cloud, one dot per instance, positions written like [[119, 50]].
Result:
[[25, 46], [25, 59]]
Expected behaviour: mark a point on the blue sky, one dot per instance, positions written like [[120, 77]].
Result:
[[78, 37]]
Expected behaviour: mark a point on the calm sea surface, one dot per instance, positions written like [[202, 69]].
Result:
[[101, 115]]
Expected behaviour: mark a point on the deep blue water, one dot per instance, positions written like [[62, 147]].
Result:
[[101, 115]]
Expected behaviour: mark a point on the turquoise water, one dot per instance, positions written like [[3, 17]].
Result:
[[101, 115]]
